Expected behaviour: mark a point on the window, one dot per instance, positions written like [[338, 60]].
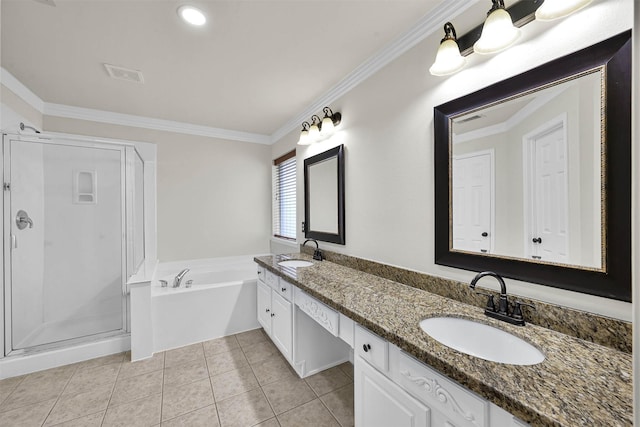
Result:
[[284, 196]]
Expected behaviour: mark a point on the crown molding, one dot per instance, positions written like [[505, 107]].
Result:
[[14, 85], [80, 113], [426, 26]]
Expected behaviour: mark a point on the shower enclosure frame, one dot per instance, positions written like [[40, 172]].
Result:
[[126, 218]]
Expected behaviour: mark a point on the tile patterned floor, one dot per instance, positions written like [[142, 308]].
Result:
[[240, 380]]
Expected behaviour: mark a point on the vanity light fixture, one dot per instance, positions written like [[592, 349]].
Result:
[[192, 15], [448, 59], [314, 130], [498, 32], [304, 135], [556, 9], [329, 121]]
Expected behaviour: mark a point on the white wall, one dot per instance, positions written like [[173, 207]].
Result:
[[213, 196], [387, 129]]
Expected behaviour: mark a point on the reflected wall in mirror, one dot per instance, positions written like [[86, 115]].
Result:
[[324, 196], [533, 174]]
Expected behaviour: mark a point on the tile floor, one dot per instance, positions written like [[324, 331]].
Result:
[[240, 380]]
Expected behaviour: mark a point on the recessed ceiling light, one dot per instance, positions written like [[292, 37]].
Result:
[[192, 15]]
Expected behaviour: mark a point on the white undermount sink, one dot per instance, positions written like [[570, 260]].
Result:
[[480, 340], [295, 263]]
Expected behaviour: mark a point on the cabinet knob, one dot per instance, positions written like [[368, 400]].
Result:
[[267, 310], [273, 314], [284, 289], [366, 347]]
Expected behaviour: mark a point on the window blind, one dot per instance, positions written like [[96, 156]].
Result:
[[284, 196]]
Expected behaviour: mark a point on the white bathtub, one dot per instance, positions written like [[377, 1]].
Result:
[[221, 301]]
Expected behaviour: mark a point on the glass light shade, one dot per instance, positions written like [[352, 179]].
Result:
[[327, 126], [448, 59], [192, 15], [556, 9], [498, 33], [314, 132], [304, 138]]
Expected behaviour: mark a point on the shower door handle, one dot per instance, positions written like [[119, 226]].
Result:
[[22, 220]]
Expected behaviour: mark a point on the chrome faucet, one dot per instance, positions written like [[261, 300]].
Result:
[[317, 254], [502, 312], [179, 277]]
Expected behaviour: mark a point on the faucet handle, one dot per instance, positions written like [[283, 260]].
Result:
[[491, 305], [517, 309]]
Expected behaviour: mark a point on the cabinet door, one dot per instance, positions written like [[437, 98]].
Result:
[[264, 306], [281, 324], [379, 402]]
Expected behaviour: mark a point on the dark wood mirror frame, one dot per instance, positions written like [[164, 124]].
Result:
[[614, 55], [338, 237]]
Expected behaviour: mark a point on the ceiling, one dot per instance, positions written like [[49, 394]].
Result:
[[251, 68]]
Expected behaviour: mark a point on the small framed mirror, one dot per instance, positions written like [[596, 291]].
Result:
[[324, 196], [533, 174]]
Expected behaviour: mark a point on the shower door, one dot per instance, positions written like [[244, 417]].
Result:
[[64, 242]]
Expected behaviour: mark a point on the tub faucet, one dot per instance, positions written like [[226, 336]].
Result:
[[179, 277], [502, 311]]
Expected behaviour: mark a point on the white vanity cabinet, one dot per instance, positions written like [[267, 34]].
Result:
[[391, 383], [275, 311]]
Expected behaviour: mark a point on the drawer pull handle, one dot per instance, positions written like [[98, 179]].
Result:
[[366, 347]]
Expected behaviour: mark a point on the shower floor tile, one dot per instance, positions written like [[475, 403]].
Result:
[[252, 384]]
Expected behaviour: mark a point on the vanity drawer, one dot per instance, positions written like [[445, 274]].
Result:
[[346, 329], [463, 407], [260, 270], [285, 289], [372, 348], [327, 317], [271, 279]]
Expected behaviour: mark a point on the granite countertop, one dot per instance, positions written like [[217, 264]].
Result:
[[578, 384]]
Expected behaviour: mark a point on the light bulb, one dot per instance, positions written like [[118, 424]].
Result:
[[314, 132], [556, 9], [304, 138], [498, 33], [327, 126], [192, 15], [448, 59]]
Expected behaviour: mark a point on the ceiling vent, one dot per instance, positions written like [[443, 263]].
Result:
[[121, 73]]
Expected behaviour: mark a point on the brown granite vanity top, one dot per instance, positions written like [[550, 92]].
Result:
[[578, 384]]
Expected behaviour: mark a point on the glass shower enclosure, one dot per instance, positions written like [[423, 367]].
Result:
[[67, 205]]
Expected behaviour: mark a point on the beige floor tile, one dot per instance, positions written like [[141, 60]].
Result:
[[220, 345], [93, 420], [205, 417], [129, 389], [329, 380], [131, 369], [99, 361], [34, 391], [75, 406], [8, 385], [260, 351], [248, 338], [139, 413], [31, 415], [310, 414], [287, 394], [89, 378], [273, 369], [54, 374], [187, 372], [340, 404], [227, 361], [273, 422], [347, 368], [245, 409], [183, 354], [179, 400], [233, 382]]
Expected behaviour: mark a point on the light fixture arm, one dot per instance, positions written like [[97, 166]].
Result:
[[315, 120], [336, 118], [497, 4], [305, 126], [449, 32]]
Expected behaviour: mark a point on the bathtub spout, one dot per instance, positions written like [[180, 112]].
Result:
[[179, 277]]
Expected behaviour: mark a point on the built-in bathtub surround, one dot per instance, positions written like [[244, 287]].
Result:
[[606, 331], [579, 383]]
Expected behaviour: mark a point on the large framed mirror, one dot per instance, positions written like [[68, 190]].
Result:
[[324, 196], [533, 174]]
